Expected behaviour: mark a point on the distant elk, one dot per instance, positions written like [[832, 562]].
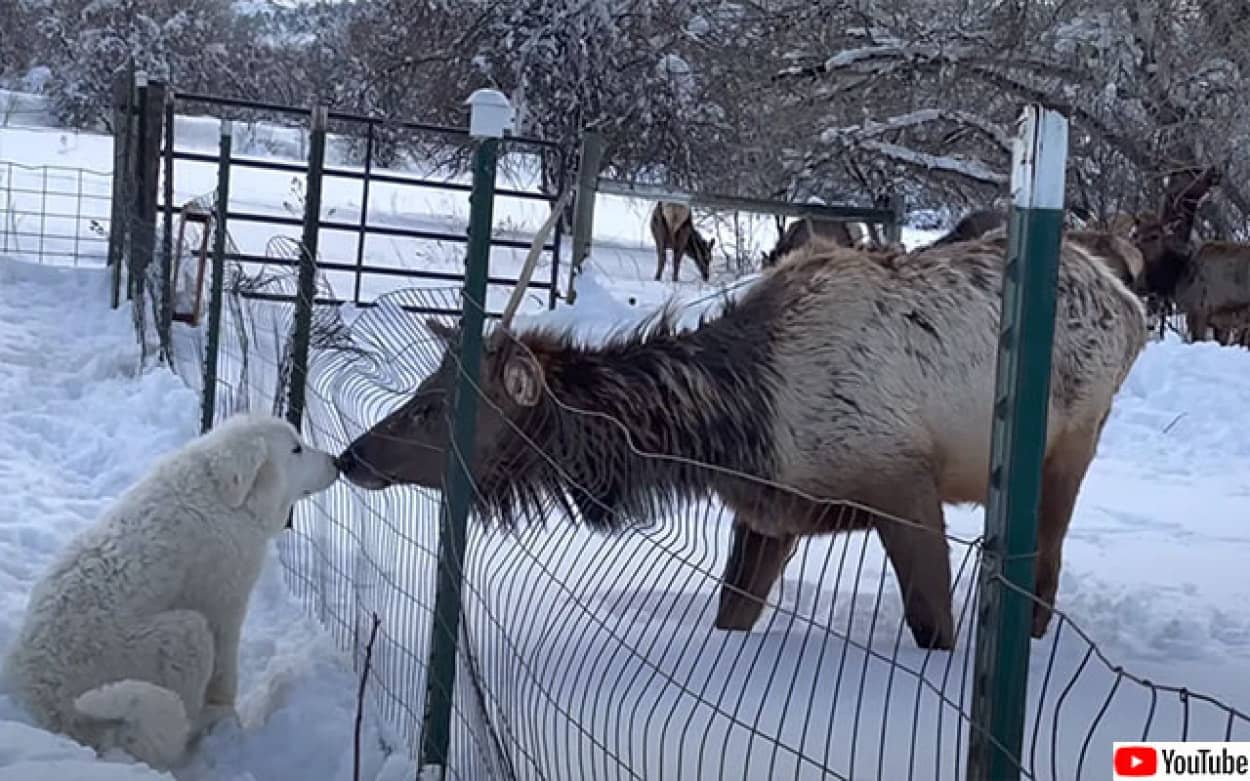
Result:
[[1207, 281], [1210, 285], [672, 226], [1117, 251], [801, 232], [839, 374], [974, 225]]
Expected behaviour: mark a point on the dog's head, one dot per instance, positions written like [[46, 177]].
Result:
[[262, 463]]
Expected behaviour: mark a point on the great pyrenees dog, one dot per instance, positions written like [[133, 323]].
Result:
[[130, 640]]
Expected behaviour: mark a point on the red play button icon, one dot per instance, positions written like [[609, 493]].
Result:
[[1136, 761]]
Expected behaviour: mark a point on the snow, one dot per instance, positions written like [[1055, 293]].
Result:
[[597, 652]]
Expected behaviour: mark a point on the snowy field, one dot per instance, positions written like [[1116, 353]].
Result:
[[598, 652]]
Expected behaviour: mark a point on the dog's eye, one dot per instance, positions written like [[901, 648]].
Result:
[[297, 449]]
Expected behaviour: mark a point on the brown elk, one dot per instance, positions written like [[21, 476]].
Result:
[[802, 232], [1213, 291], [974, 225], [1118, 252], [837, 374], [673, 227], [1166, 239]]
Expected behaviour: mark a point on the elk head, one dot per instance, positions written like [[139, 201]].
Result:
[[1165, 255], [410, 445]]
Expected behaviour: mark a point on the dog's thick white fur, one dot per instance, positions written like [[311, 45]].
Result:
[[130, 640]]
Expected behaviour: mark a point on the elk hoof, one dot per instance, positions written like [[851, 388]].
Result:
[[738, 612], [1041, 621], [928, 638]]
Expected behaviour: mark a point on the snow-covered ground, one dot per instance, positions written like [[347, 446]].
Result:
[[597, 652]]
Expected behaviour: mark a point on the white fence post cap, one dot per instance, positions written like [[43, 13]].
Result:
[[1039, 157], [490, 113]]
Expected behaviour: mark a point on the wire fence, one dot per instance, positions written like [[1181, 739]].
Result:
[[55, 214]]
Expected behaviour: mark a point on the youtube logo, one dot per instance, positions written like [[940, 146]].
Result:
[[1187, 760], [1136, 761]]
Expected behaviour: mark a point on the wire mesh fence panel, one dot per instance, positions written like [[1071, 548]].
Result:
[[587, 654], [56, 215]]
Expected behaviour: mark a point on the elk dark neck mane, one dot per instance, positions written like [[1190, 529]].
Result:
[[627, 423]]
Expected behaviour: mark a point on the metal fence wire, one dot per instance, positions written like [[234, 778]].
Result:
[[54, 214]]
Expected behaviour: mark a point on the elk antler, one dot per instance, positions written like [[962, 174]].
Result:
[[531, 259]]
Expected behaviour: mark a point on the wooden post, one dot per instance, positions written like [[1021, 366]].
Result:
[[894, 231], [119, 212], [307, 286], [165, 318], [584, 205], [208, 406], [364, 212], [1017, 450]]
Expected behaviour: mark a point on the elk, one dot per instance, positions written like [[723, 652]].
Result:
[[1166, 239], [839, 376], [1117, 251], [973, 226], [672, 226], [803, 231], [1213, 290]]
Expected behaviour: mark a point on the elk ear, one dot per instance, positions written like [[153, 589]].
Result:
[[444, 333], [522, 378]]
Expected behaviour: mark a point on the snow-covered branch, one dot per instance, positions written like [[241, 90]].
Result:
[[871, 129], [961, 166]]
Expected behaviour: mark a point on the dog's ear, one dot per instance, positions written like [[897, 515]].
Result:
[[235, 469]]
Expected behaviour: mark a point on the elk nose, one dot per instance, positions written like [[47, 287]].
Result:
[[345, 461]]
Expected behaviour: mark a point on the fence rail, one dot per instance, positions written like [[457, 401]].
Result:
[[364, 228]]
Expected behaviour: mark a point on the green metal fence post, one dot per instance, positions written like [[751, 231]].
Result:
[[208, 406], [584, 205], [490, 115], [305, 299], [1018, 441]]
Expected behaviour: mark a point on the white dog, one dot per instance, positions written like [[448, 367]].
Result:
[[131, 639]]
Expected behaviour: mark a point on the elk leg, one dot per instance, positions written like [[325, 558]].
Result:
[[1062, 474], [755, 563], [659, 260], [659, 232], [681, 245], [1196, 324], [916, 546]]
